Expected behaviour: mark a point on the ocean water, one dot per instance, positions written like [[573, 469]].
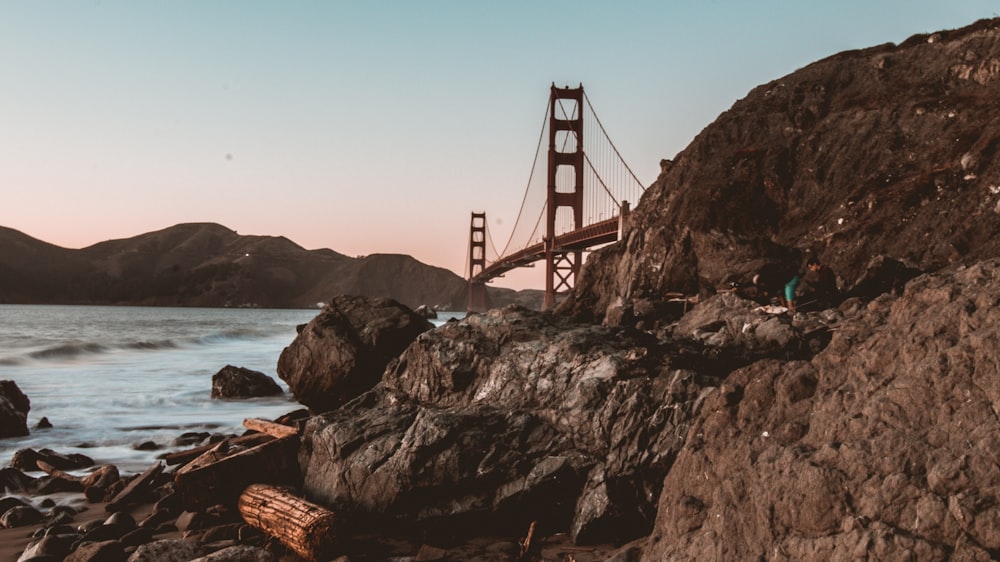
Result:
[[111, 378]]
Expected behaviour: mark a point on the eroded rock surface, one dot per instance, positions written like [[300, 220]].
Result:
[[883, 446], [240, 382], [510, 417], [887, 151], [342, 352], [14, 406]]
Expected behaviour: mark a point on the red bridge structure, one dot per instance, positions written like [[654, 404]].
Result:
[[584, 203]]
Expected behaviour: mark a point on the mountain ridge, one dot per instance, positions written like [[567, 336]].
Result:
[[208, 264]]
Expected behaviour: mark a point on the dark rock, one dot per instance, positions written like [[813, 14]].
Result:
[[105, 551], [342, 352], [156, 518], [20, 516], [227, 532], [882, 275], [426, 312], [138, 490], [146, 446], [169, 502], [58, 517], [106, 532], [138, 536], [122, 519], [60, 529], [89, 526], [194, 520], [240, 382], [167, 550], [97, 483], [9, 502], [57, 483], [49, 547], [190, 438], [14, 406], [881, 445], [497, 421], [13, 480], [43, 423], [238, 553], [27, 459]]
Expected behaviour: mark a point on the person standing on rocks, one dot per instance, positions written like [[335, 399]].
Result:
[[814, 289]]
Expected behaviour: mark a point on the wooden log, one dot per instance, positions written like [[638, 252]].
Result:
[[137, 490], [221, 474], [187, 455], [269, 427], [308, 529], [53, 471]]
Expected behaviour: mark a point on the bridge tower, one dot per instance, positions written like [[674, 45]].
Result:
[[563, 266], [477, 262]]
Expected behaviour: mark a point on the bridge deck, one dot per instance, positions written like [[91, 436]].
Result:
[[589, 236]]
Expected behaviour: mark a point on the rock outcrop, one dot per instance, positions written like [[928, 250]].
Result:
[[510, 417], [14, 406], [888, 151], [881, 446], [342, 352]]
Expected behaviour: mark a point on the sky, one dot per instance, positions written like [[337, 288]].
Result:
[[371, 126]]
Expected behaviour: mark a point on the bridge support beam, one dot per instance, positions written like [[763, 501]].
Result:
[[566, 131], [478, 299]]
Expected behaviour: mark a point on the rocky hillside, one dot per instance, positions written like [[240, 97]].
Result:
[[885, 152], [208, 264]]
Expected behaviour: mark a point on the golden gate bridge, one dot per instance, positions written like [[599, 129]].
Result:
[[580, 202]]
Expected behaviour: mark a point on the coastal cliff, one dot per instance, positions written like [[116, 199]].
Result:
[[885, 152]]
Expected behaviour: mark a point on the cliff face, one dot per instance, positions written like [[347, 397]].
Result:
[[210, 265], [888, 151]]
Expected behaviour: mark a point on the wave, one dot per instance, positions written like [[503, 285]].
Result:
[[68, 350], [75, 350], [230, 335]]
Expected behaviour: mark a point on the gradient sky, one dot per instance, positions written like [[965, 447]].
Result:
[[371, 126]]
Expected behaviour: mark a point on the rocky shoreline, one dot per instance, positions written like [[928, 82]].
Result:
[[660, 413], [80, 512], [519, 435]]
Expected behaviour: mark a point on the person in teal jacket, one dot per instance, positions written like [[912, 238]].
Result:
[[816, 288]]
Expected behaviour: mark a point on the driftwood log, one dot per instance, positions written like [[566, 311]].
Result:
[[188, 455], [137, 491], [308, 529], [269, 427], [219, 475]]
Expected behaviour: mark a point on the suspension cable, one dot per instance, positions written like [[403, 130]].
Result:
[[489, 239], [613, 147], [524, 200], [599, 179]]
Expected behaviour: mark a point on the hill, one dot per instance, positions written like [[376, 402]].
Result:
[[207, 264]]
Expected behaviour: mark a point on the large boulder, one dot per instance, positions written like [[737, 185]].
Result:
[[14, 406], [509, 417], [342, 352], [240, 382], [882, 446]]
